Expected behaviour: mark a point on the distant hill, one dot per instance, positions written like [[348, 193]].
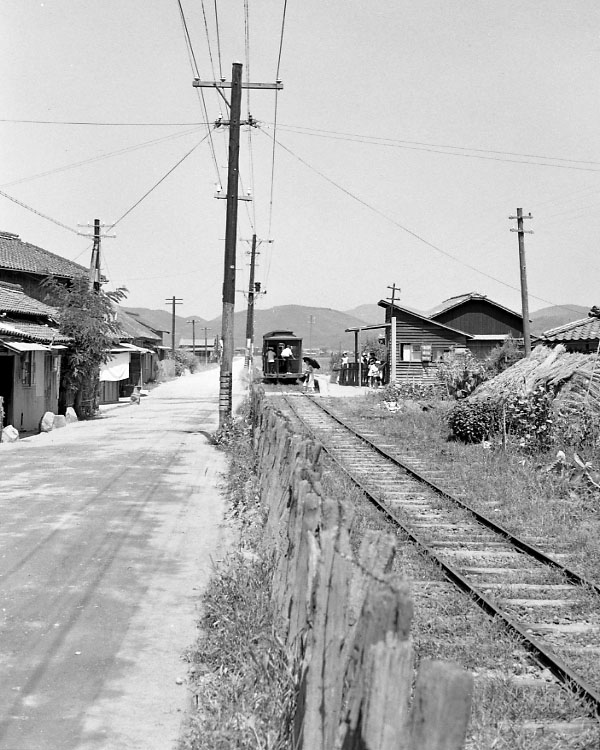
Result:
[[368, 313], [161, 320], [554, 316], [325, 332]]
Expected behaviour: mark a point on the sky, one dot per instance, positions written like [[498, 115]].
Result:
[[407, 133]]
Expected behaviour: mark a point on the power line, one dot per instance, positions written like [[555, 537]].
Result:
[[105, 124], [401, 143], [212, 65], [275, 120], [156, 184], [200, 94], [108, 155], [404, 228], [218, 40], [38, 213]]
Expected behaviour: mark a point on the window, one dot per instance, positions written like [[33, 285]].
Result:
[[411, 352], [28, 369]]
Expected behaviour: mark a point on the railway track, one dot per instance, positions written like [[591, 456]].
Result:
[[550, 609]]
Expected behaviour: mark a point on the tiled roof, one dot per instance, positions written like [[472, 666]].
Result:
[[31, 331], [16, 255], [14, 300], [579, 330], [452, 302], [135, 329]]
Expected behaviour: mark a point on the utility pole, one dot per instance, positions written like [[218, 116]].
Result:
[[311, 321], [524, 296], [173, 301], [394, 289], [95, 273], [206, 345], [236, 85], [193, 322], [250, 313]]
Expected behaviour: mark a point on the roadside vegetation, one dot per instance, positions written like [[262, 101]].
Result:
[[239, 673]]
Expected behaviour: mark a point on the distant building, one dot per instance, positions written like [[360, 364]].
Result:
[[579, 336]]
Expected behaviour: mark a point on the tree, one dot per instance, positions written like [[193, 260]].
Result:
[[88, 318]]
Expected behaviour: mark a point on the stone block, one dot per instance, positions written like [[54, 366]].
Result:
[[47, 422], [10, 434], [59, 421], [70, 415]]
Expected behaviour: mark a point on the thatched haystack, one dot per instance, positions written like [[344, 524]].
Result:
[[574, 379]]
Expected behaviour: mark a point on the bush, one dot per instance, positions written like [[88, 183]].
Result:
[[396, 392], [529, 418], [473, 421], [183, 361], [503, 357], [461, 373]]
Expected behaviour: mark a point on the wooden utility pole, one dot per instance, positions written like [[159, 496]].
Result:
[[173, 301], [193, 321], [524, 296], [236, 85], [394, 289], [250, 313], [95, 272], [205, 328]]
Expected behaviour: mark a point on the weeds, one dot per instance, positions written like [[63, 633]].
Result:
[[240, 672]]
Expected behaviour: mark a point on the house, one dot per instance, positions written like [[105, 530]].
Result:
[[30, 348], [416, 341], [28, 265], [203, 348], [134, 358], [578, 336], [488, 322]]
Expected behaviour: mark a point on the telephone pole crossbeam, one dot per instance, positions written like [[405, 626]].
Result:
[[197, 83]]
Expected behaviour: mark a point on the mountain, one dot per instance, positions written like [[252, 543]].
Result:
[[368, 313], [556, 315], [161, 320], [325, 332]]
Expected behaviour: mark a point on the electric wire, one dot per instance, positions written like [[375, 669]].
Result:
[[210, 55], [422, 146], [272, 188], [156, 184], [250, 151], [105, 123], [199, 91], [218, 40], [108, 155], [404, 228], [38, 213]]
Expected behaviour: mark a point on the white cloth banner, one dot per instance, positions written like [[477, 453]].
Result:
[[117, 367]]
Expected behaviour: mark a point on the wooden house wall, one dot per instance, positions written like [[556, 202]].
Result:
[[30, 283], [480, 317], [410, 330]]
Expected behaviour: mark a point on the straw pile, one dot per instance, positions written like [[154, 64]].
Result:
[[573, 377]]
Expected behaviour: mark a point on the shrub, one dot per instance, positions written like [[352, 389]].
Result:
[[461, 373], [503, 357], [529, 418], [411, 391], [183, 361], [473, 421]]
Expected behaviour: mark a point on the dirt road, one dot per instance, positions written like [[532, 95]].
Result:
[[107, 533]]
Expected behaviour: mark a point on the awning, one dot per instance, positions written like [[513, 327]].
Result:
[[24, 346], [117, 367], [134, 348]]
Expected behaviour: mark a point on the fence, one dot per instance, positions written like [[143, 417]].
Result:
[[344, 617]]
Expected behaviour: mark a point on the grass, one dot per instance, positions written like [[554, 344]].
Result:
[[446, 625], [240, 675]]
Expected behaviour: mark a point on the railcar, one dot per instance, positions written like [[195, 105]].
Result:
[[276, 367]]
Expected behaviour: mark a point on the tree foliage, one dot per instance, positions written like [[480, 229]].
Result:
[[88, 318]]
